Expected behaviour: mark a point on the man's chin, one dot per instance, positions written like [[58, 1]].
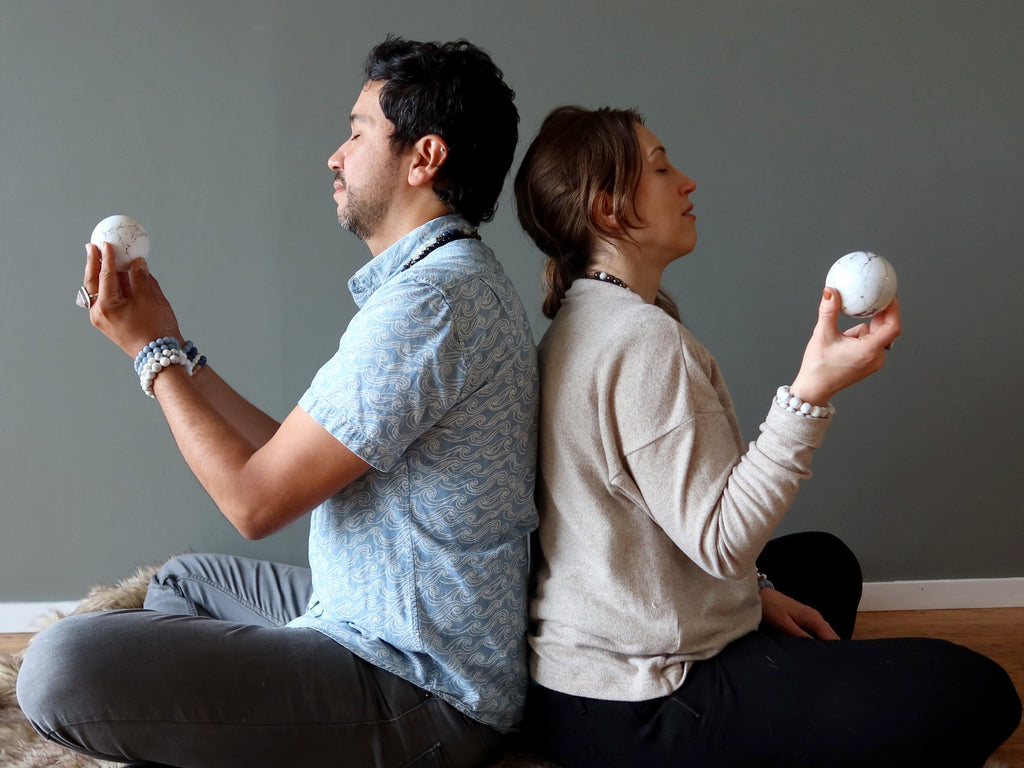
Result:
[[347, 226]]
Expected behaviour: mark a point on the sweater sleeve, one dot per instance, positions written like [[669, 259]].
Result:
[[684, 464]]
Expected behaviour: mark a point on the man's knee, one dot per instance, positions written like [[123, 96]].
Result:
[[188, 564], [57, 670], [165, 593]]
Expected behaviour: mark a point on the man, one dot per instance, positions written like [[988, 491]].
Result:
[[413, 448]]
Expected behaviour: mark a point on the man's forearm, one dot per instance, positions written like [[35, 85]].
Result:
[[260, 488], [202, 421], [252, 423]]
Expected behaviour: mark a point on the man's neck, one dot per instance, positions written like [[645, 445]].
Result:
[[402, 221]]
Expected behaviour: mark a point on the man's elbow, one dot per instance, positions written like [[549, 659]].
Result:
[[253, 532], [256, 523]]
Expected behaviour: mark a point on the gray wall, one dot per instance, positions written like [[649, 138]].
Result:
[[812, 129]]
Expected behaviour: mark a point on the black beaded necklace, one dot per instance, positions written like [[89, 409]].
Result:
[[604, 277], [444, 238]]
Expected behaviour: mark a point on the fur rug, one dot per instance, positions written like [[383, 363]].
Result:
[[22, 747]]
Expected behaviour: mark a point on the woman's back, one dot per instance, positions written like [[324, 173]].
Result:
[[629, 399]]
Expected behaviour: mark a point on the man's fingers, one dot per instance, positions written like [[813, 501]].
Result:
[[91, 281], [109, 287]]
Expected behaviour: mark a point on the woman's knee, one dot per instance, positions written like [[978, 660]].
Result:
[[995, 694], [980, 694], [828, 552]]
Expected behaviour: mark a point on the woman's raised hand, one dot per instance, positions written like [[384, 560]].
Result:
[[833, 359]]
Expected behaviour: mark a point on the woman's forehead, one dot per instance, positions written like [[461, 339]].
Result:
[[649, 143]]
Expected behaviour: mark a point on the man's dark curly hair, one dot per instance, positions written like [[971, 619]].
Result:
[[453, 90]]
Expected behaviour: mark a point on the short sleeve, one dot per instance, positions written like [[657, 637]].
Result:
[[398, 369]]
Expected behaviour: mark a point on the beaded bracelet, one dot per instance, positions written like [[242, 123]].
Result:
[[763, 582], [794, 404], [161, 354], [192, 353]]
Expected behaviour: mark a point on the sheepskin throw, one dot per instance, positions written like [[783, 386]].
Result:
[[20, 745]]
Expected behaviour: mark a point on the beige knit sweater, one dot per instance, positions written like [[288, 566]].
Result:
[[652, 514]]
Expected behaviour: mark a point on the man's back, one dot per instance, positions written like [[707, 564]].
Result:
[[419, 566]]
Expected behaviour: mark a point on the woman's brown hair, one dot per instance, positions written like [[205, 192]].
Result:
[[577, 156]]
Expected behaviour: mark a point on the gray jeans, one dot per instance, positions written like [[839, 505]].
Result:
[[208, 676]]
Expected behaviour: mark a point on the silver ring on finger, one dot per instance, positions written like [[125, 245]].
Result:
[[84, 299]]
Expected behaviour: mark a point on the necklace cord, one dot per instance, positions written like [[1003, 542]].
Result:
[[444, 238], [604, 277]]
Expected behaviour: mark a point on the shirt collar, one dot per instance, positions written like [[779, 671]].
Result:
[[391, 261]]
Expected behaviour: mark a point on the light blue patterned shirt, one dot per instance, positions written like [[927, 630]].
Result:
[[420, 565]]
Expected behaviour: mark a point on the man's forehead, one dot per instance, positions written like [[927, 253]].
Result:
[[367, 107]]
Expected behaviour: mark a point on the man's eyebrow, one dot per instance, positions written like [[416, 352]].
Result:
[[356, 117]]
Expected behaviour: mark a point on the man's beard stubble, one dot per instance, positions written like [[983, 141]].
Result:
[[365, 209]]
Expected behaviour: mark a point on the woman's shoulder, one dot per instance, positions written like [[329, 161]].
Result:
[[640, 325], [616, 310], [619, 328]]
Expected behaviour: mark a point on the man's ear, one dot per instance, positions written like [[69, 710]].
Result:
[[602, 210], [429, 153]]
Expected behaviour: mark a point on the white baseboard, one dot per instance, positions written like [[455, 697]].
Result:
[[942, 594], [24, 617], [878, 596]]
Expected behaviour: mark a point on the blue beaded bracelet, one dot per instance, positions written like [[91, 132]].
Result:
[[192, 353], [151, 349], [161, 354]]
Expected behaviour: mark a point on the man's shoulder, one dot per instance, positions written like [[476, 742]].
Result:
[[463, 273]]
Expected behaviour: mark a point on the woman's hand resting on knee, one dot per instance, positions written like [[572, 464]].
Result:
[[786, 615]]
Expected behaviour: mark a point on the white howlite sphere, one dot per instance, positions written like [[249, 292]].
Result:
[[129, 239], [866, 283]]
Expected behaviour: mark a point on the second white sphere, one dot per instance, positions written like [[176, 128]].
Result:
[[866, 283]]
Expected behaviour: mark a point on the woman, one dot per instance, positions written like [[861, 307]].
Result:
[[655, 640]]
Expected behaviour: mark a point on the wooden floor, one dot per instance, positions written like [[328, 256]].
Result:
[[11, 643], [997, 632]]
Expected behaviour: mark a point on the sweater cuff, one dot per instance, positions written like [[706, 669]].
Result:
[[804, 429]]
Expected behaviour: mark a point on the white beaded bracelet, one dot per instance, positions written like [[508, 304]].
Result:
[[157, 356], [794, 404]]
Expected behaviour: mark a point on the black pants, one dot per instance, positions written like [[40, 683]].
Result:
[[772, 700]]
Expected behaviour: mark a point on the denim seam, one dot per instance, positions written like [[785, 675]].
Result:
[[229, 593]]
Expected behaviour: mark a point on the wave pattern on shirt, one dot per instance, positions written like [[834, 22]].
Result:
[[420, 565]]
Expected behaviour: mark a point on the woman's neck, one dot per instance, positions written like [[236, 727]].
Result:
[[642, 278]]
